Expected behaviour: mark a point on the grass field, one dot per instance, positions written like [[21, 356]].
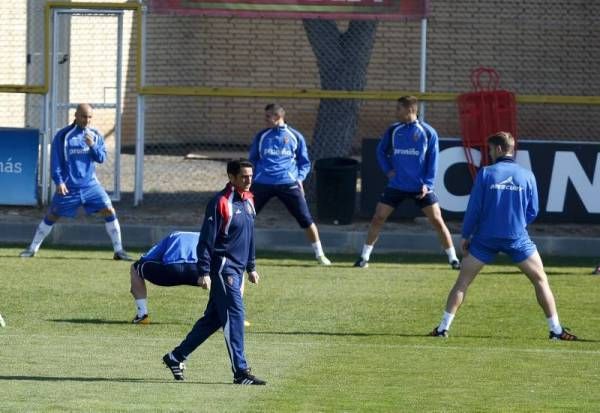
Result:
[[326, 339]]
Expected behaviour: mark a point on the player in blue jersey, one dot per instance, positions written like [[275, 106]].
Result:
[[281, 162], [172, 261], [225, 251], [503, 201], [407, 154], [74, 153]]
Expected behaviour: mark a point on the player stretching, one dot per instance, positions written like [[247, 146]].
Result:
[[503, 201], [75, 151], [281, 162], [171, 262], [407, 154]]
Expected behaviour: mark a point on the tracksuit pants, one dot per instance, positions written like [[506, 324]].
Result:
[[225, 309]]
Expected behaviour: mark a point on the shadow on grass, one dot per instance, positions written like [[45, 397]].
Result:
[[287, 264], [103, 321], [433, 339], [333, 334], [105, 379], [63, 258]]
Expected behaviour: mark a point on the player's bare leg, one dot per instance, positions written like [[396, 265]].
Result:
[[140, 294], [468, 271], [382, 213], [434, 216], [312, 233], [533, 268], [113, 229]]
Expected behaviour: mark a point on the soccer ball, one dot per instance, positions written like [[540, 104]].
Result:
[[2, 322]]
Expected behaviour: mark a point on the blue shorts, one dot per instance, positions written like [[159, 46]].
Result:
[[393, 197], [291, 196], [92, 198], [168, 275], [485, 250]]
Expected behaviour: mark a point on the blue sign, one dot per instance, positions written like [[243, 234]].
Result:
[[18, 166]]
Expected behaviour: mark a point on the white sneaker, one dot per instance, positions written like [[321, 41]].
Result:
[[2, 322], [27, 253], [323, 260]]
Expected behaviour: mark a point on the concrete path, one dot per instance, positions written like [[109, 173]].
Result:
[[335, 239]]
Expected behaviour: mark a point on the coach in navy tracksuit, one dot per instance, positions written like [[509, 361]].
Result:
[[503, 201], [281, 164], [225, 251]]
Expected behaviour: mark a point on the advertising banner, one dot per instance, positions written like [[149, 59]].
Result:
[[18, 166], [567, 174], [297, 9]]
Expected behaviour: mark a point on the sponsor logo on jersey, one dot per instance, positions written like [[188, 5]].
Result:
[[409, 152], [507, 185], [78, 150], [278, 152]]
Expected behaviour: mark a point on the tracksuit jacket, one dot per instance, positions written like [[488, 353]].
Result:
[[503, 201], [227, 236], [73, 162], [279, 156], [411, 150]]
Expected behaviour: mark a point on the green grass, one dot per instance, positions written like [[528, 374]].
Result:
[[326, 339]]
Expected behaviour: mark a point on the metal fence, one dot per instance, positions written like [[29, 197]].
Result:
[[205, 80]]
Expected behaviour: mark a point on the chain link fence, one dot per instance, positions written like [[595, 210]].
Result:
[[207, 79]]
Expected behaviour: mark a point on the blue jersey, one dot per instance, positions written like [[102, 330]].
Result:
[[73, 162], [279, 156], [178, 247], [227, 236], [503, 201], [411, 151]]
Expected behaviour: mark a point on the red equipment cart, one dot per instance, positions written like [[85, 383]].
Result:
[[484, 112]]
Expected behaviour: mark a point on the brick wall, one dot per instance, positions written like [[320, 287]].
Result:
[[539, 47], [13, 46]]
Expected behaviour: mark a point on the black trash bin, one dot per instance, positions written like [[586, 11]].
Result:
[[336, 189]]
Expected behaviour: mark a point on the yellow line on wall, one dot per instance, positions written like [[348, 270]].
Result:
[[251, 92], [342, 94]]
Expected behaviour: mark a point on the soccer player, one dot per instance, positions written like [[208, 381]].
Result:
[[75, 151], [596, 270], [225, 251], [503, 201], [408, 156], [281, 163], [172, 261]]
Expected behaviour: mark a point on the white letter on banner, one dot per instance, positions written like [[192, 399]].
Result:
[[447, 158], [523, 159], [566, 166]]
